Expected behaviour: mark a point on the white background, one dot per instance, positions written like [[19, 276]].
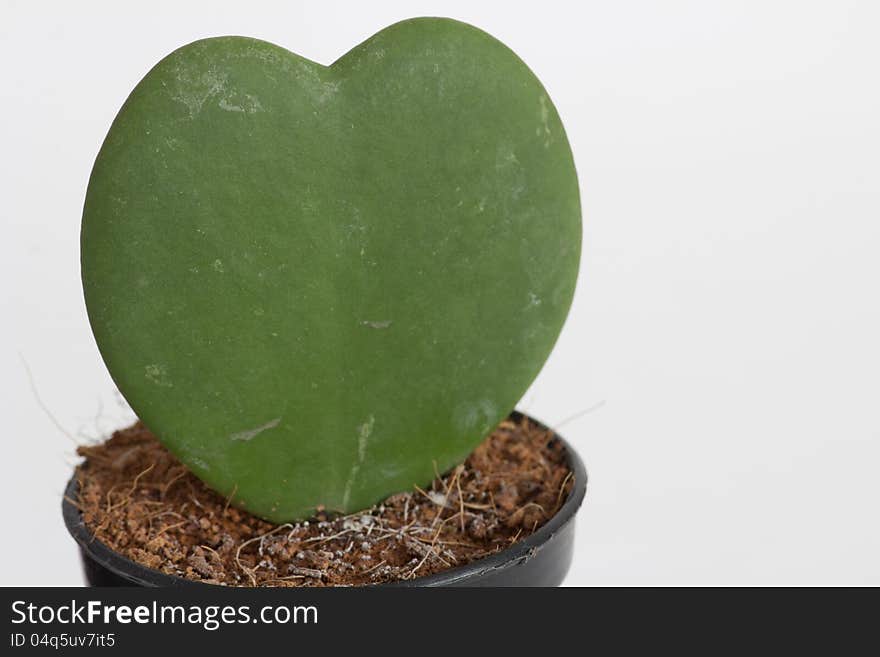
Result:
[[727, 317]]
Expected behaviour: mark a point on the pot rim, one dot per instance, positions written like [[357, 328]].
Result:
[[518, 553]]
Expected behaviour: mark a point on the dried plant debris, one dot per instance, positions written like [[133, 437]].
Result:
[[139, 500]]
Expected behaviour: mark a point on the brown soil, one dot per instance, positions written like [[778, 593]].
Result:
[[141, 501]]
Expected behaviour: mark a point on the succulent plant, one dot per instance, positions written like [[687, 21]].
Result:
[[318, 284]]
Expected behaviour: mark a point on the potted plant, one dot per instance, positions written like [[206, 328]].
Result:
[[321, 288]]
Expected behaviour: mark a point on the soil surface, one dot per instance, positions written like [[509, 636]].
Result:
[[141, 501]]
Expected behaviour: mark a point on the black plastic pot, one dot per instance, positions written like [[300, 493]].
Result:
[[542, 559]]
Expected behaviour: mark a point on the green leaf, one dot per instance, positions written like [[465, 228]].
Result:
[[316, 284]]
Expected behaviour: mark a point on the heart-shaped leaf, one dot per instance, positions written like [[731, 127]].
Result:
[[318, 284]]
